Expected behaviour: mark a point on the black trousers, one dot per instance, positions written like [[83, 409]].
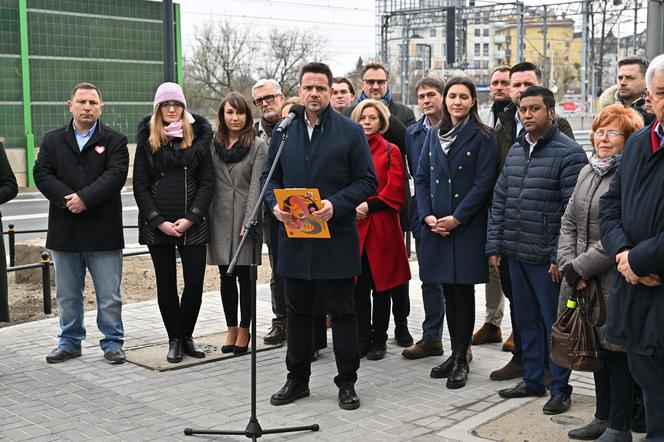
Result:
[[301, 298], [400, 305], [179, 315], [276, 282], [372, 324], [648, 372], [614, 390], [460, 313], [506, 285], [229, 295]]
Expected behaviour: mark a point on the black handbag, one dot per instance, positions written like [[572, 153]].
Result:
[[574, 340]]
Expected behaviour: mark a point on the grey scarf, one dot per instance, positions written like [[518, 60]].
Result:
[[448, 138], [602, 166]]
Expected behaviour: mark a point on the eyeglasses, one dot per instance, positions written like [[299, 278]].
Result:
[[372, 82], [264, 100], [169, 104], [607, 133]]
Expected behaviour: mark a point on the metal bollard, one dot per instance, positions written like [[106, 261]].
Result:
[[46, 281], [11, 239]]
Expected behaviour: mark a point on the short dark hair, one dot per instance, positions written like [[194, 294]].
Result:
[[345, 81], [374, 65], [539, 91], [431, 82], [500, 68], [316, 67], [525, 67], [635, 59], [87, 86]]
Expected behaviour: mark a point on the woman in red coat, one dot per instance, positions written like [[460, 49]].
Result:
[[384, 257]]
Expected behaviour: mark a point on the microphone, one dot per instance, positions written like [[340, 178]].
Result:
[[296, 111]]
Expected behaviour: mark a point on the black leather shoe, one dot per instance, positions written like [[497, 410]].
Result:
[[239, 349], [444, 369], [591, 431], [376, 351], [115, 357], [459, 374], [174, 350], [520, 390], [558, 404], [364, 348], [402, 336], [276, 335], [59, 355], [348, 399], [290, 392], [189, 347]]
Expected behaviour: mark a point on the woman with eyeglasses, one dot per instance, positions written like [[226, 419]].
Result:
[[453, 185], [173, 185], [384, 258], [238, 156], [581, 257]]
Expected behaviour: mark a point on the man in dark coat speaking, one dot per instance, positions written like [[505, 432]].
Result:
[[327, 151], [631, 221]]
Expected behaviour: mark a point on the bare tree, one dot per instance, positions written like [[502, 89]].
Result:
[[285, 52], [606, 13], [221, 61]]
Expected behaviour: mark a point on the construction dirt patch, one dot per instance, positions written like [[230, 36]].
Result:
[[138, 284]]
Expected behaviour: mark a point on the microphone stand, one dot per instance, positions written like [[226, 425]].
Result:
[[254, 430]]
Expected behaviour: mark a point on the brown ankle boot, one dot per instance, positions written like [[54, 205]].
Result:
[[510, 371], [509, 344], [488, 334]]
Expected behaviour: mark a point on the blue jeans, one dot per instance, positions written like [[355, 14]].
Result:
[[106, 270], [434, 308], [535, 304]]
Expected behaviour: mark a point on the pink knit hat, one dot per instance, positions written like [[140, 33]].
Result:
[[169, 92]]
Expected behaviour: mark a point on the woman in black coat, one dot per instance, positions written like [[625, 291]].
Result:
[[453, 185], [173, 186]]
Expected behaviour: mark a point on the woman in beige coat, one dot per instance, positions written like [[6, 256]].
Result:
[[238, 156], [581, 257]]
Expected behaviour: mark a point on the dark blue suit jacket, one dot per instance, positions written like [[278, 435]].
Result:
[[337, 161]]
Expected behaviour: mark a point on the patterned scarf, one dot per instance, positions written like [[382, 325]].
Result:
[[386, 99], [447, 136], [602, 166]]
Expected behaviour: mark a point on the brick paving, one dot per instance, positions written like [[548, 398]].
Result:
[[88, 399]]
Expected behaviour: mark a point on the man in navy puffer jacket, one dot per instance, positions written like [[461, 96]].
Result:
[[529, 200]]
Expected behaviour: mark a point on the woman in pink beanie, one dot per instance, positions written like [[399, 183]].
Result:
[[173, 187]]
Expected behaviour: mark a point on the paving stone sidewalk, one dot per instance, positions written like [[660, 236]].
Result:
[[88, 399]]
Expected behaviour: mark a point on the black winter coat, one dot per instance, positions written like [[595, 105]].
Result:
[[530, 198], [631, 215], [338, 162], [174, 183], [97, 174]]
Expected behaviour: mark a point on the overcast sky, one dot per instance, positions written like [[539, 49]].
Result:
[[347, 25]]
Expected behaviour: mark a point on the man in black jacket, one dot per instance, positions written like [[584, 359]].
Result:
[[329, 152], [81, 169], [532, 191], [268, 98], [631, 221]]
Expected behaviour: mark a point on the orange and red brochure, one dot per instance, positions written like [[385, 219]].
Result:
[[300, 203]]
